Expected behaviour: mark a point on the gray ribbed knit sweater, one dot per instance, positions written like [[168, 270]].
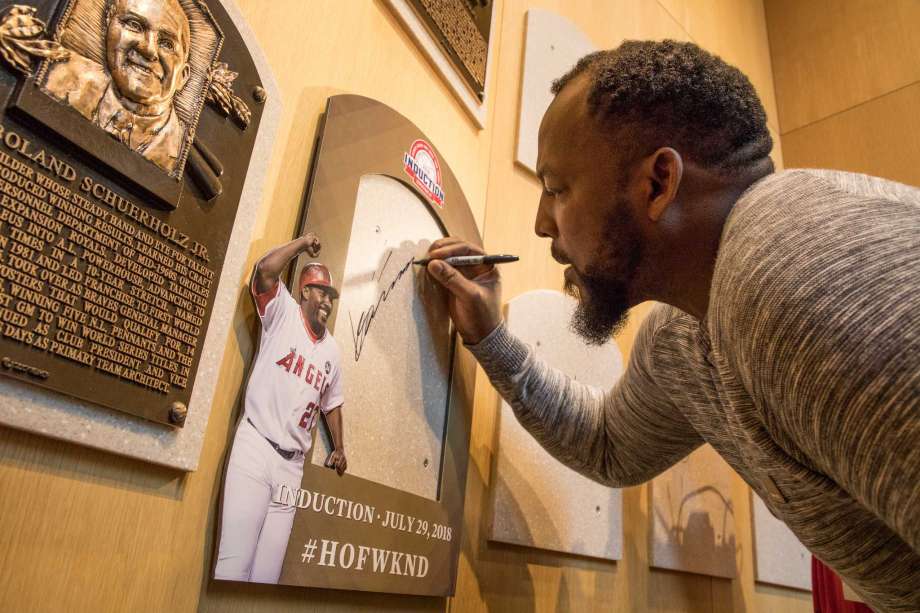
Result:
[[804, 376]]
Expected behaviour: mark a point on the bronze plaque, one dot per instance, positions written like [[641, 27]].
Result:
[[125, 140], [462, 28]]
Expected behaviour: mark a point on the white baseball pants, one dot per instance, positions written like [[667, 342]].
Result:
[[254, 530]]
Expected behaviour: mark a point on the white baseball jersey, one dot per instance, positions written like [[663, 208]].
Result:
[[295, 374]]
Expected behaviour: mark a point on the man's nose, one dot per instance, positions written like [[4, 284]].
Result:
[[148, 45], [544, 226]]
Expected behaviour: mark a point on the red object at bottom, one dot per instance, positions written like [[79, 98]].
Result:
[[827, 591]]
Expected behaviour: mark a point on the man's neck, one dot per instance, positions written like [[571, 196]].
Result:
[[151, 111], [691, 264], [316, 329]]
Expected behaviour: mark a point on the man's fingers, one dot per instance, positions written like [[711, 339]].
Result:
[[449, 246], [443, 242], [454, 250], [449, 277], [313, 245]]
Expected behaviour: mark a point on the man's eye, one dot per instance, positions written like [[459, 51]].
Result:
[[133, 24], [167, 44]]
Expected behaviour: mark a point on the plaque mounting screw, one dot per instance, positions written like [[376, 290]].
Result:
[[425, 463], [259, 94], [177, 413]]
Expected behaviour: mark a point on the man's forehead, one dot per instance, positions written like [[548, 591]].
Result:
[[168, 13], [567, 121]]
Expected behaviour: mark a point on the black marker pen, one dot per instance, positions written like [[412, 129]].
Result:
[[473, 260]]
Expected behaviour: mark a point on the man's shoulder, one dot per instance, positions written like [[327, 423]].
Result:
[[810, 197], [166, 146], [78, 81], [803, 246], [664, 326], [332, 348], [282, 304]]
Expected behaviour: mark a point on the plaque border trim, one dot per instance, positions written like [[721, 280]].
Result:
[[419, 32]]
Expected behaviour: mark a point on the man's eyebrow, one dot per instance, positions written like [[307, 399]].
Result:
[[137, 16]]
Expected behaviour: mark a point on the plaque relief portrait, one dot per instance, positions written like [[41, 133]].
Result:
[[137, 69]]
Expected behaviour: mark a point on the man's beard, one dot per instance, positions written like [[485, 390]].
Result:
[[602, 310], [603, 294]]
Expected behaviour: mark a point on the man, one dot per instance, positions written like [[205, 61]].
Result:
[[296, 375], [790, 335], [131, 97]]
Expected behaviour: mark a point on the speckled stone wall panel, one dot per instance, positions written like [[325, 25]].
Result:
[[58, 416], [552, 45], [779, 557], [537, 501], [397, 373], [693, 521]]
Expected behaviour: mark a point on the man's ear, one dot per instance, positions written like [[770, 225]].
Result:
[[184, 77], [663, 170]]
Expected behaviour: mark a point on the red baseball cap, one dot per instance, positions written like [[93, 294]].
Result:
[[318, 275]]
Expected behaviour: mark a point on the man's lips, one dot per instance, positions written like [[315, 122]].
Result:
[[147, 69], [558, 255]]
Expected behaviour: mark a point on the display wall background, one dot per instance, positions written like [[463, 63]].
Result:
[[848, 84], [83, 530]]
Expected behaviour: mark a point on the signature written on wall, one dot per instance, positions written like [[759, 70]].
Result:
[[359, 334]]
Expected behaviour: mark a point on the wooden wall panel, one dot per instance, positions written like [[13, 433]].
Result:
[[830, 55], [880, 137], [736, 31], [81, 530]]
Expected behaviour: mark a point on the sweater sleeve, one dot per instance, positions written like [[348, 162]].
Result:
[[621, 437]]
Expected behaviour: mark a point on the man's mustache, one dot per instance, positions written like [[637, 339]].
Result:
[[135, 58]]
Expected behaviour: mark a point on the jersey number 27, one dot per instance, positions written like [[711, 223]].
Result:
[[306, 421]]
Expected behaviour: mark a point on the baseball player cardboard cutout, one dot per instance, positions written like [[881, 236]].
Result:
[[296, 375]]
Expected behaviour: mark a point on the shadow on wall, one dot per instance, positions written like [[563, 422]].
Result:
[[692, 542]]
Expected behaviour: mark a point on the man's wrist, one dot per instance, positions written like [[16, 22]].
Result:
[[500, 352]]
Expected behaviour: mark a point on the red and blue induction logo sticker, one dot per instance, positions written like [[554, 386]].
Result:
[[422, 165]]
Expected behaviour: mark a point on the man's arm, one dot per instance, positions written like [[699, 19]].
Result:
[[620, 438], [273, 263], [623, 437], [336, 459]]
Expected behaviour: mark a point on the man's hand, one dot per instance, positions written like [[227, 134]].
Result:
[[474, 299], [337, 461], [272, 264], [311, 244]]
